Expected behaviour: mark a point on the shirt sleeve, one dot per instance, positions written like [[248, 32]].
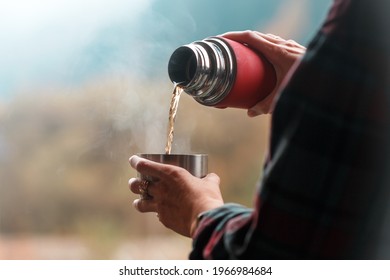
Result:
[[325, 188], [217, 225]]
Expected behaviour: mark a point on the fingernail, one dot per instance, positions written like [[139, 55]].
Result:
[[134, 161], [132, 180], [135, 203]]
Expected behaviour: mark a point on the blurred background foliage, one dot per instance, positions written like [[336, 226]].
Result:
[[67, 133]]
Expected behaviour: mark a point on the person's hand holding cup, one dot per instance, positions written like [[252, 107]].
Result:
[[176, 187]]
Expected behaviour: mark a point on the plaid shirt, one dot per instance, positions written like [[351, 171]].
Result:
[[325, 190]]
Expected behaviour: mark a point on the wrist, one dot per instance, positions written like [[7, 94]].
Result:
[[195, 223]]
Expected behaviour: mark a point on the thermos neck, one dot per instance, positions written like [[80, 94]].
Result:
[[204, 69]]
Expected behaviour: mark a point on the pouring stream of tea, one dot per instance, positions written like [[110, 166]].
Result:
[[177, 90]]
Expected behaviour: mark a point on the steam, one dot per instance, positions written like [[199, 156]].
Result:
[[146, 116]]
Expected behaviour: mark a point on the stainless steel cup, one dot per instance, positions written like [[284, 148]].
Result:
[[196, 164]]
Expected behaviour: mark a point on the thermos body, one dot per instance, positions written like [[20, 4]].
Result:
[[222, 73]]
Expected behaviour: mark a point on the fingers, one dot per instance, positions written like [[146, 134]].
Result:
[[145, 205], [136, 185], [272, 38], [147, 167], [266, 43], [178, 201], [251, 38], [290, 45], [254, 39], [155, 171]]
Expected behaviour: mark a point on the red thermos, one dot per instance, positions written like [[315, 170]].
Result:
[[222, 73]]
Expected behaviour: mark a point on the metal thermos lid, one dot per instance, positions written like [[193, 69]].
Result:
[[204, 69]]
